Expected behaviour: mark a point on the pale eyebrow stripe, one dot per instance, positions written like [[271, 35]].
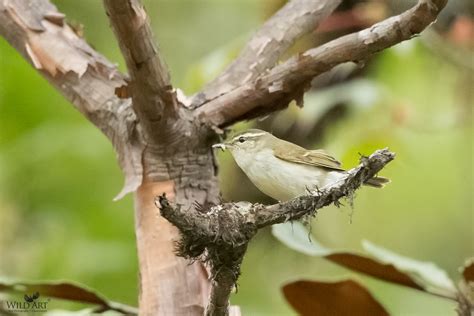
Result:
[[248, 135]]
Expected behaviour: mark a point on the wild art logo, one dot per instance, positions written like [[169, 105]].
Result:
[[31, 303]]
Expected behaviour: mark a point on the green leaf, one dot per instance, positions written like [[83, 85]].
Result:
[[295, 236], [427, 274], [382, 264]]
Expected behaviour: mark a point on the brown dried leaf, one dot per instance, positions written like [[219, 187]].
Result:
[[385, 265], [297, 237], [67, 291], [432, 278], [373, 268], [338, 298]]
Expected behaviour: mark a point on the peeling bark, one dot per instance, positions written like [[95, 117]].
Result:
[[151, 88], [288, 81], [163, 275], [177, 159], [184, 169], [262, 51], [87, 79], [163, 146]]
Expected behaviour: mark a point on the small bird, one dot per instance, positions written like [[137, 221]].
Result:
[[283, 170]]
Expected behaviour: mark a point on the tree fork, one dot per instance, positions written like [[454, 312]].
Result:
[[162, 145]]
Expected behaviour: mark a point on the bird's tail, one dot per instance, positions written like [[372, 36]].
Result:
[[377, 182]]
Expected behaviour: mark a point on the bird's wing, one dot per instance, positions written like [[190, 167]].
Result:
[[296, 154]]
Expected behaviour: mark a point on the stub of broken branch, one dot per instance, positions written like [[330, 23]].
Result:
[[220, 234]]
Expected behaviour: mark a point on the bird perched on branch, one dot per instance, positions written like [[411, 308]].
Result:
[[283, 170]]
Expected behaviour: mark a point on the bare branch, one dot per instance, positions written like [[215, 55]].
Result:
[[40, 34], [304, 205], [220, 236], [288, 81], [266, 46], [151, 89]]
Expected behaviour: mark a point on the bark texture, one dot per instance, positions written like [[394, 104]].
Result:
[[273, 90], [184, 163], [86, 78], [150, 89], [266, 46], [164, 146], [177, 160]]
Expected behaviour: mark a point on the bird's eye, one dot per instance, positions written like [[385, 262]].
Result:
[[241, 139]]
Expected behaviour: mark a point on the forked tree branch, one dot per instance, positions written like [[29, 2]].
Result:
[[288, 81], [220, 235], [168, 285], [39, 32], [266, 46], [151, 88]]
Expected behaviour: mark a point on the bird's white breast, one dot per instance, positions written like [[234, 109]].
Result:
[[280, 179]]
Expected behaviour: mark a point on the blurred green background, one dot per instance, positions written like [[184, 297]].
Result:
[[58, 173]]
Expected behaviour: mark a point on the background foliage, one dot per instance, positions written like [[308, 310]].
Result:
[[58, 173]]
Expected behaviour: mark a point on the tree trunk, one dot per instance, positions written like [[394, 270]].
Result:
[[164, 142], [159, 266], [186, 176]]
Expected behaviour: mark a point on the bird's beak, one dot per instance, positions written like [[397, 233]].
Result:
[[222, 146]]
